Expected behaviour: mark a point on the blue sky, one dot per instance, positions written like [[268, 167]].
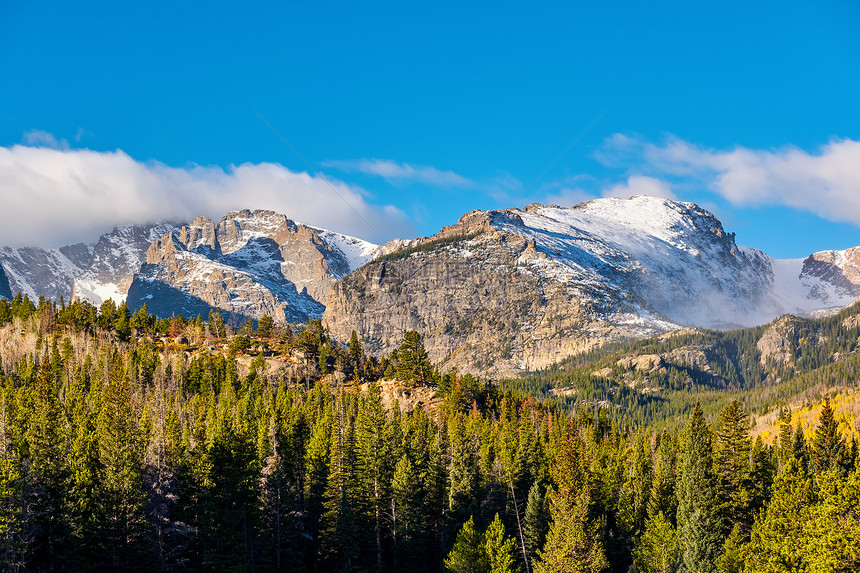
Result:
[[417, 113]]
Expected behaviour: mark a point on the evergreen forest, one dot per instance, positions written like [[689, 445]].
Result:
[[130, 442]]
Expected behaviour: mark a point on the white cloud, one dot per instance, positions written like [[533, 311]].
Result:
[[394, 171], [567, 197], [52, 197], [38, 138], [640, 185], [825, 182]]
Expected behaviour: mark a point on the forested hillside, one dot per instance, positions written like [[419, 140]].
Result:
[[131, 443]]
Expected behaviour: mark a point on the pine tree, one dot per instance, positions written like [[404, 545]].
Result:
[[800, 450], [122, 528], [374, 463], [828, 451], [764, 466], [413, 365], [698, 523], [732, 560], [407, 513], [282, 487], [536, 520], [230, 513], [778, 536], [662, 497], [573, 544], [46, 448], [340, 535], [463, 478], [832, 535], [12, 535], [732, 466], [658, 549], [468, 554], [786, 436], [354, 354], [501, 550]]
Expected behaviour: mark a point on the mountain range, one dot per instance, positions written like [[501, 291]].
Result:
[[498, 292]]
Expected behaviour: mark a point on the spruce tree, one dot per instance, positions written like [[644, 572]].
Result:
[[732, 560], [828, 451], [662, 497], [779, 534], [374, 465], [468, 554], [698, 522], [732, 465], [536, 520], [832, 535], [786, 436], [800, 449], [658, 549], [122, 528], [45, 437], [413, 365], [764, 465], [463, 476], [501, 550], [573, 543], [340, 534], [407, 517]]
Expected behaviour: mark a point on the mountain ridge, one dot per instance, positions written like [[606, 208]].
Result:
[[248, 265], [565, 279], [499, 292]]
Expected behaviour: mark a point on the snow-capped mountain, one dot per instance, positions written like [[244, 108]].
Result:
[[248, 265], [265, 263], [522, 288], [90, 271], [114, 259], [675, 258], [39, 272], [497, 292]]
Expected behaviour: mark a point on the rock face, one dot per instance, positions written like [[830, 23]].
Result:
[[247, 265], [775, 343], [515, 289]]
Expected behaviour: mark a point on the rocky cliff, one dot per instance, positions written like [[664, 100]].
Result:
[[248, 264]]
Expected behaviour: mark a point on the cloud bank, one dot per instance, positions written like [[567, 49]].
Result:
[[53, 196], [395, 172], [825, 182]]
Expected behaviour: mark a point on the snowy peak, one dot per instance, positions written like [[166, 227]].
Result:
[[672, 222], [670, 257], [522, 288], [833, 277], [249, 264], [39, 272], [113, 260]]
